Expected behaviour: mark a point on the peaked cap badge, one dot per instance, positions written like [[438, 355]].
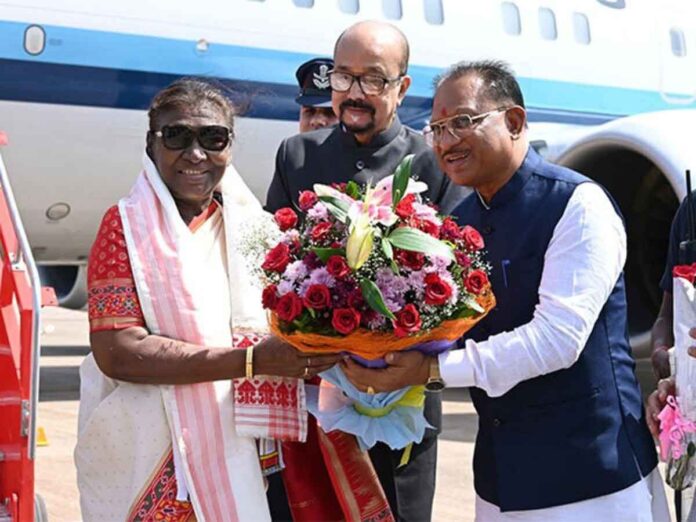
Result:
[[321, 79]]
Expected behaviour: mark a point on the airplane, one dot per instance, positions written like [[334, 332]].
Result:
[[610, 88]]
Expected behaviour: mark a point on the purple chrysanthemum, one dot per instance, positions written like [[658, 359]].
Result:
[[295, 271], [318, 212]]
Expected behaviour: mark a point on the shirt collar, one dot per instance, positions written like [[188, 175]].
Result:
[[377, 141], [515, 183]]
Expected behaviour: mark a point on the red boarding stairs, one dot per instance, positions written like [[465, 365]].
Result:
[[21, 297]]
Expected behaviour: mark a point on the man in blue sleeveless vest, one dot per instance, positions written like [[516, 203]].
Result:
[[562, 434]]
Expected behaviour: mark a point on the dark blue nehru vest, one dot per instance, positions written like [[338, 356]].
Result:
[[570, 435]]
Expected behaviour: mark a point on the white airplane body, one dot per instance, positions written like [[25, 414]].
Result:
[[610, 87]]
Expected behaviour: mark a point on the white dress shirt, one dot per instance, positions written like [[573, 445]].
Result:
[[583, 261]]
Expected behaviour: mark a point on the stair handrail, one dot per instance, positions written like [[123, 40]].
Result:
[[24, 255]]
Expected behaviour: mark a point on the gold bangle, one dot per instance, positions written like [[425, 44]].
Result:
[[250, 362]]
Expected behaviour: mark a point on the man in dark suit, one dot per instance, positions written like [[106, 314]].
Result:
[[369, 81]]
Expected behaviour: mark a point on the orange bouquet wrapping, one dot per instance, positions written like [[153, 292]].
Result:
[[375, 345]]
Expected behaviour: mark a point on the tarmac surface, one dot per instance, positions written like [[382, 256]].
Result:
[[65, 343]]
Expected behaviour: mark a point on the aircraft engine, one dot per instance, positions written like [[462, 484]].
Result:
[[641, 160], [69, 282]]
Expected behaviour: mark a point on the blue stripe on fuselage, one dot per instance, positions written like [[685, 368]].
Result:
[[107, 69], [36, 82]]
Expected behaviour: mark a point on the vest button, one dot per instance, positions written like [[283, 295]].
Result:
[[360, 164], [496, 422], [487, 230]]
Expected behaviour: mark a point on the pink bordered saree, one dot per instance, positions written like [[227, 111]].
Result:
[[184, 452]]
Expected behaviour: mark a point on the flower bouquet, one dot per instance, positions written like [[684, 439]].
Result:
[[367, 271], [677, 419]]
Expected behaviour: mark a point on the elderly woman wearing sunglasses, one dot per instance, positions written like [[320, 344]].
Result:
[[176, 389]]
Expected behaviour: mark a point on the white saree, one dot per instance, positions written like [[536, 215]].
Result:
[[193, 287]]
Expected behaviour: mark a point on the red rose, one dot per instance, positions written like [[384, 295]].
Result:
[[286, 218], [277, 258], [317, 297], [687, 272], [269, 297], [407, 321], [437, 291], [337, 266], [345, 320], [428, 227], [307, 200], [404, 208], [450, 230], [476, 281], [320, 231], [463, 260], [472, 238], [289, 306], [410, 259]]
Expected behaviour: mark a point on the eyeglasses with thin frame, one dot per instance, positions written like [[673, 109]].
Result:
[[370, 84], [456, 125], [213, 138]]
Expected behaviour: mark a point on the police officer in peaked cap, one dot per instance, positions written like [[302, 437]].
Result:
[[315, 94]]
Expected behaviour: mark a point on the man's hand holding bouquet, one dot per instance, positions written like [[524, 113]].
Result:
[[369, 271]]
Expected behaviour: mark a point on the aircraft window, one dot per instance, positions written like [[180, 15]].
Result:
[[676, 36], [434, 14], [392, 9], [547, 24], [614, 4], [511, 18], [303, 3], [581, 28], [34, 40], [349, 6]]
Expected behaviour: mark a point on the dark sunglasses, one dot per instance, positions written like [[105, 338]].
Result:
[[213, 138]]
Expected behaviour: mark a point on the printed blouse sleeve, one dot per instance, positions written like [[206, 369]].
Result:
[[112, 299]]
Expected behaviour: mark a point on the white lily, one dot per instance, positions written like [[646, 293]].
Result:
[[374, 208]]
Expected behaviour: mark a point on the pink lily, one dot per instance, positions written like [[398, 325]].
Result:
[[383, 190]]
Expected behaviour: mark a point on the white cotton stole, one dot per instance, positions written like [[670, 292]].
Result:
[[195, 287]]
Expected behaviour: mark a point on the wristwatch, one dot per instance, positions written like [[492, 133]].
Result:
[[435, 382]]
